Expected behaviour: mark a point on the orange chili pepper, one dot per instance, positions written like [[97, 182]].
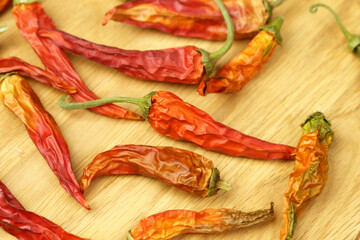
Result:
[[180, 168], [310, 173], [17, 95], [234, 75], [172, 223]]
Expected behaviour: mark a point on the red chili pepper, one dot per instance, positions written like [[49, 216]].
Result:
[[195, 18], [180, 168], [169, 224], [30, 17], [187, 65], [234, 75], [13, 64], [17, 95], [25, 225], [3, 4], [171, 116]]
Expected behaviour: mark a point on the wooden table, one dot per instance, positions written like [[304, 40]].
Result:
[[313, 70]]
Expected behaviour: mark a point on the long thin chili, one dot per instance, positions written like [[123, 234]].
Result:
[[24, 225], [172, 223], [171, 116], [30, 17], [180, 168], [195, 18], [17, 95], [310, 173], [234, 75], [187, 65]]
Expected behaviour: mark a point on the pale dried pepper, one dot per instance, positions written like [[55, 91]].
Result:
[[30, 17], [353, 40], [17, 95], [234, 75], [310, 173], [169, 224], [24, 225], [180, 168], [195, 18], [187, 65], [171, 116]]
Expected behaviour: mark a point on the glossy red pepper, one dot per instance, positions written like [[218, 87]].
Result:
[[195, 18], [25, 225], [234, 75], [180, 168], [30, 17], [17, 95], [187, 65], [171, 116]]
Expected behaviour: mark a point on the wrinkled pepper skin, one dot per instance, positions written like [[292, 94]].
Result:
[[310, 173], [180, 168], [13, 64], [192, 18], [4, 4], [178, 65], [171, 116], [25, 225], [17, 95], [30, 17], [234, 75], [172, 223]]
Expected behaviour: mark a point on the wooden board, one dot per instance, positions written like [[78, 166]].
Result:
[[313, 70]]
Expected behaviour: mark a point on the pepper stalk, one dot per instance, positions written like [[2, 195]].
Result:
[[353, 40]]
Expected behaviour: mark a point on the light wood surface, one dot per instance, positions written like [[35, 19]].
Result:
[[312, 70]]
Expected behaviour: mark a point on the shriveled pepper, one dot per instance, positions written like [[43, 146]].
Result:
[[195, 18], [180, 168], [353, 40], [4, 4], [25, 225], [169, 224], [17, 95], [234, 75], [30, 17], [14, 64], [171, 116], [187, 65], [310, 173]]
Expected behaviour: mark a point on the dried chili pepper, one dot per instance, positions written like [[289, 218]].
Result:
[[187, 65], [171, 116], [17, 95], [195, 18], [353, 40], [169, 224], [234, 75], [310, 173], [13, 64], [25, 225], [180, 168], [3, 4], [30, 17]]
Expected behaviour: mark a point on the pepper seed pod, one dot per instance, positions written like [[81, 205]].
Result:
[[353, 40], [180, 168]]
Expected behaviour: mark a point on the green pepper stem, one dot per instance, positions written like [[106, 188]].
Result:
[[3, 28], [275, 3], [3, 76], [223, 185], [15, 2], [144, 103], [274, 28], [129, 237], [210, 59]]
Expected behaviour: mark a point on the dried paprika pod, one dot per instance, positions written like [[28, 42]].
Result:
[[25, 225], [30, 17], [17, 95], [187, 65], [353, 40], [234, 75], [169, 224], [171, 116], [195, 18], [310, 173], [180, 168]]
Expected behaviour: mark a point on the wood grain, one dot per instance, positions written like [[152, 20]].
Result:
[[312, 70]]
